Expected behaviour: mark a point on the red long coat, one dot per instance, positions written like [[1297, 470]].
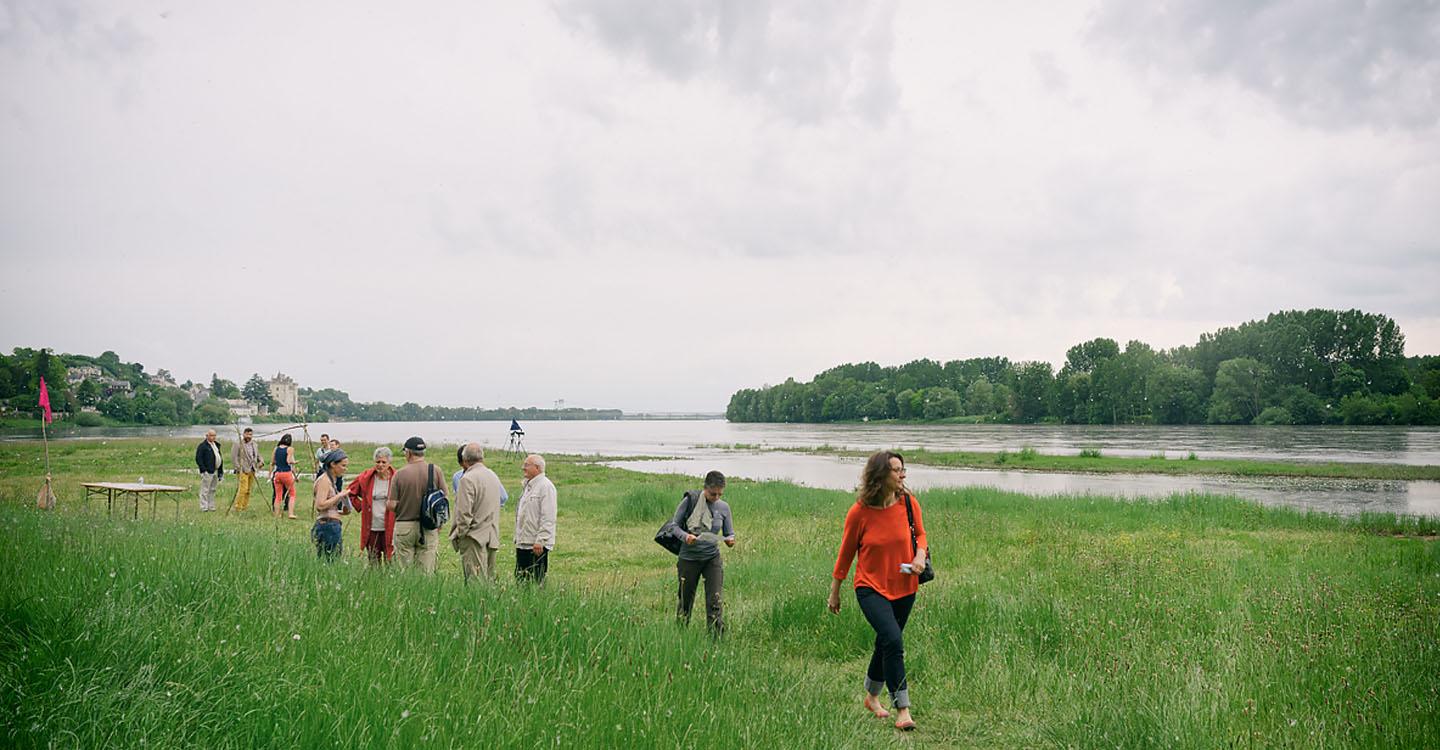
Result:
[[363, 490]]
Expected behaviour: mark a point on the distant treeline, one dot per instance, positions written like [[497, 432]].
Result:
[[328, 404], [1293, 367], [124, 394]]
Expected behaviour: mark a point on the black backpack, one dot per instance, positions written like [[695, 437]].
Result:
[[434, 507], [665, 537]]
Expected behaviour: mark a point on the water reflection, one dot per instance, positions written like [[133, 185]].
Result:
[[1343, 496], [1405, 445]]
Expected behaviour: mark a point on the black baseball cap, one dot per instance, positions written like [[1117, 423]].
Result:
[[415, 444]]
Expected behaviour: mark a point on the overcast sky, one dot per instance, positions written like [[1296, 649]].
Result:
[[649, 205]]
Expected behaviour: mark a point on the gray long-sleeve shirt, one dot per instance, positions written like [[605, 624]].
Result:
[[720, 524]]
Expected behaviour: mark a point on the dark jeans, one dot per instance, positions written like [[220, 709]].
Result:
[[887, 662], [530, 566], [328, 543], [689, 573]]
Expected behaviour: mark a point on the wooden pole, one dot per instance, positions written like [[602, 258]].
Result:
[[46, 499]]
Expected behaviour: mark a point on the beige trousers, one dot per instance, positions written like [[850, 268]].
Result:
[[414, 548], [476, 559]]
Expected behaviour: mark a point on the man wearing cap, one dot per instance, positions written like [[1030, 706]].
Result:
[[246, 458], [476, 531], [414, 545]]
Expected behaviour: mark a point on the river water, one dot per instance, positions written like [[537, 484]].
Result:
[[696, 446]]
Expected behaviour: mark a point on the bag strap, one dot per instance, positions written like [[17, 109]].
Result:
[[910, 516], [690, 499]]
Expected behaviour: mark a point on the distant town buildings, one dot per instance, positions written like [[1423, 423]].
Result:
[[112, 386], [198, 393], [162, 379], [239, 407], [285, 393], [83, 373]]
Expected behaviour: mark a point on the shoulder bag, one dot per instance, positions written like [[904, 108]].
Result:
[[928, 574]]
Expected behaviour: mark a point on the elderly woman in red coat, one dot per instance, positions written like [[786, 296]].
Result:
[[371, 490]]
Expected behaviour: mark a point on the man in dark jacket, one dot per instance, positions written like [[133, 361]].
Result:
[[211, 466]]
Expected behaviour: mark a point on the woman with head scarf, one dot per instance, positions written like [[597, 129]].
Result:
[[330, 503]]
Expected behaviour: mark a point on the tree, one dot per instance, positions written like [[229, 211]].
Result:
[[257, 392], [1087, 356], [221, 388], [1174, 393], [941, 403], [1240, 387], [905, 405], [1033, 385], [979, 397], [87, 392], [212, 411], [1003, 400]]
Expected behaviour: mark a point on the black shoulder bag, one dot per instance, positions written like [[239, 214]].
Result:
[[665, 537], [928, 574]]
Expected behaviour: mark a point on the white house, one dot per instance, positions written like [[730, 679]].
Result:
[[239, 407]]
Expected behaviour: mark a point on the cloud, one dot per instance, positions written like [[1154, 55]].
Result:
[[1324, 63], [808, 61]]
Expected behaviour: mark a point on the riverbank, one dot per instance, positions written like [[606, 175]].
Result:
[[1096, 462], [1194, 621]]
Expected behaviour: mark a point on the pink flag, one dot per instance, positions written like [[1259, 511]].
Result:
[[45, 402]]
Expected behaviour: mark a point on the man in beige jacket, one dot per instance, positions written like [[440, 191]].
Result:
[[534, 522], [475, 532]]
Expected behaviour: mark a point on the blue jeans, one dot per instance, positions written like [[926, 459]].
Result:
[[328, 542]]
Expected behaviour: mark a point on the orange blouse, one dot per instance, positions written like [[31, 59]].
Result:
[[882, 538]]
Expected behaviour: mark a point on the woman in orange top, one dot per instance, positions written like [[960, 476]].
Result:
[[886, 577]]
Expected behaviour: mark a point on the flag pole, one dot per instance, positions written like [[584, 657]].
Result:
[[46, 499]]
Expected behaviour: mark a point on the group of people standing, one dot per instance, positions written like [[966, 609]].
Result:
[[883, 537], [388, 499]]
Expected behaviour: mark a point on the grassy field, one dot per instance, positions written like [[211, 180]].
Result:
[[1195, 621], [1095, 462]]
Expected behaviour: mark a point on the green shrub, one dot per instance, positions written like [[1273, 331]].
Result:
[[1028, 453], [88, 419], [1089, 452], [1274, 415]]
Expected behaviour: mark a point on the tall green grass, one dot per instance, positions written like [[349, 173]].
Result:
[[1078, 621]]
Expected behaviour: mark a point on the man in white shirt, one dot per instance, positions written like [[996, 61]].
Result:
[[534, 522]]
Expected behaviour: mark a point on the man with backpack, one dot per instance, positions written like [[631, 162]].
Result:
[[409, 488]]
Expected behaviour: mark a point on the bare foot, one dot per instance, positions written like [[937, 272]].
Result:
[[873, 704], [903, 722]]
